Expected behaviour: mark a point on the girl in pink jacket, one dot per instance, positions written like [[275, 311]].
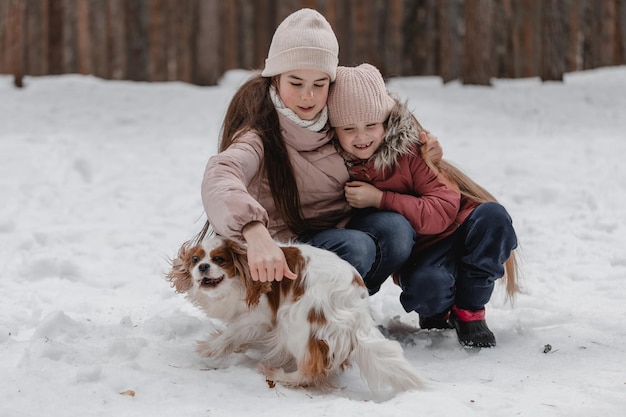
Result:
[[464, 237], [277, 175]]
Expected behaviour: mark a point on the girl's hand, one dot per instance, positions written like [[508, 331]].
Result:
[[431, 148], [265, 258], [362, 194]]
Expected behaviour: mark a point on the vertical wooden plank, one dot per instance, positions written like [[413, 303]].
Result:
[[516, 40], [608, 31], [83, 37], [285, 7], [208, 68], [391, 56], [20, 45], [116, 32], [502, 46], [70, 45], [170, 46], [450, 46], [16, 27], [173, 62], [99, 47], [328, 8], [526, 37], [368, 33], [598, 33], [34, 37], [177, 41], [264, 25], [377, 35], [184, 28], [575, 41], [554, 39], [590, 35], [620, 32], [310, 4], [157, 63], [419, 28], [136, 38], [338, 14], [409, 34], [360, 25], [4, 66], [55, 40], [478, 41], [245, 51], [431, 37], [230, 41], [344, 31], [45, 37], [188, 43]]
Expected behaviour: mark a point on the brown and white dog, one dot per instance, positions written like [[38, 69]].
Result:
[[306, 329]]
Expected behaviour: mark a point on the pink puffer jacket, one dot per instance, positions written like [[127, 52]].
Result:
[[235, 190]]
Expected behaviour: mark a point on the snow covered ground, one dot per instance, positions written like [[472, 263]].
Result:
[[99, 184]]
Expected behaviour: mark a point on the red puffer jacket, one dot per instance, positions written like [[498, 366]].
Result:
[[410, 187]]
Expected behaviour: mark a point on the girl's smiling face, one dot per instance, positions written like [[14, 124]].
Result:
[[304, 92], [361, 139]]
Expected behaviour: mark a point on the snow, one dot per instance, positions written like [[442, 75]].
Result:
[[100, 180]]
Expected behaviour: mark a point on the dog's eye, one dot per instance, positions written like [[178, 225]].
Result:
[[218, 259], [195, 259]]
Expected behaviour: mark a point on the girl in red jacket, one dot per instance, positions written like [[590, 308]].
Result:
[[464, 238]]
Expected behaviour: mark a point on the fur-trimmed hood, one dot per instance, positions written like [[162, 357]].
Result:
[[401, 138]]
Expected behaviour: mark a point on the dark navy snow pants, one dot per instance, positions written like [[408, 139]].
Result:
[[462, 268]]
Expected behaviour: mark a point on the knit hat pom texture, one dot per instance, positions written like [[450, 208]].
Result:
[[359, 95]]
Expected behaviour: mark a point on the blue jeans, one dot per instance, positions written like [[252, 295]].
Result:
[[376, 243], [462, 268]]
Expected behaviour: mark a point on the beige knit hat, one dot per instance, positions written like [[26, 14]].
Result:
[[358, 95], [304, 40]]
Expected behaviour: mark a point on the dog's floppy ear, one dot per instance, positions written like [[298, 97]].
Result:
[[254, 289], [294, 259], [180, 274]]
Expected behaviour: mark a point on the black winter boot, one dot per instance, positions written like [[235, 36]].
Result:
[[438, 321], [471, 328]]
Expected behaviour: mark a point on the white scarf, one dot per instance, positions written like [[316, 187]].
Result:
[[314, 125]]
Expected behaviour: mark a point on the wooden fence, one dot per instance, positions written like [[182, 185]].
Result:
[[196, 41]]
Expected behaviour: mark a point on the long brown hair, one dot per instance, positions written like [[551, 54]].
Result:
[[252, 109], [473, 191]]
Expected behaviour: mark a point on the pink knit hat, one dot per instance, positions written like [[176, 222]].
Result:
[[358, 95], [304, 40]]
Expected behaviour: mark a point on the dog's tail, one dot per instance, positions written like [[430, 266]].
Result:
[[382, 363]]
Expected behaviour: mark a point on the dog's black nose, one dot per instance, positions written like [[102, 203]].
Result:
[[204, 267]]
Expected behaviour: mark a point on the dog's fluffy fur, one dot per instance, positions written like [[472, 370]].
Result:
[[307, 329]]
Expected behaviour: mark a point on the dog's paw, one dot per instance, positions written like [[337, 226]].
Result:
[[204, 348], [268, 371], [209, 349], [288, 379], [218, 345]]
